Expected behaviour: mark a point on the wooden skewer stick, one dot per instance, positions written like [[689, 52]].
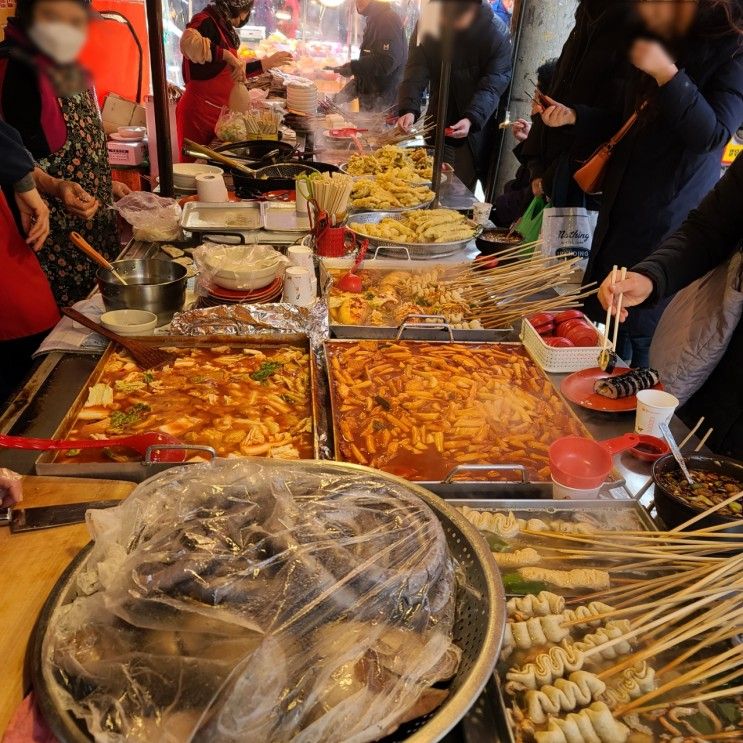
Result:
[[732, 691], [708, 512]]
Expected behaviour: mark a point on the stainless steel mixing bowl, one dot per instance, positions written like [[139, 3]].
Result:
[[157, 286]]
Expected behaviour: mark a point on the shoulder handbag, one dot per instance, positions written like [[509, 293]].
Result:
[[590, 176]]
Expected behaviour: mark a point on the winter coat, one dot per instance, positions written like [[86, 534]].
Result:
[[384, 51], [480, 73], [708, 238], [669, 160], [586, 73]]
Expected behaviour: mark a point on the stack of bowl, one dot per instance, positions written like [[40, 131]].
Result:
[[302, 98], [230, 274]]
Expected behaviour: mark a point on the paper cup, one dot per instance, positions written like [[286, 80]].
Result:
[[298, 288], [653, 408], [301, 189], [481, 212], [302, 256], [562, 492], [210, 188]]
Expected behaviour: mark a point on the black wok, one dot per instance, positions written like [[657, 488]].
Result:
[[675, 510]]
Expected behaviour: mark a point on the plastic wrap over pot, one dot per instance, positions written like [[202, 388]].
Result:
[[258, 601]]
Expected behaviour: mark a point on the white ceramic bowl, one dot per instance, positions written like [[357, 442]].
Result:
[[132, 133], [242, 267], [130, 322], [184, 174]]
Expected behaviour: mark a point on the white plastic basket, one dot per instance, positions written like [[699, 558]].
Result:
[[558, 360]]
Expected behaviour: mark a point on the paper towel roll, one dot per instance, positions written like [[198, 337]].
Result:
[[211, 188]]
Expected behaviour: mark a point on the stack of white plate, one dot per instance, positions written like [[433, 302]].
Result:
[[302, 98]]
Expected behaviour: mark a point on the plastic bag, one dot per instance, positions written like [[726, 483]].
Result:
[[154, 218], [230, 126], [530, 224], [246, 600], [239, 267]]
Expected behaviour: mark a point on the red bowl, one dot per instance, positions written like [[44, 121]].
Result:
[[650, 448], [541, 318], [584, 338], [565, 327], [569, 315]]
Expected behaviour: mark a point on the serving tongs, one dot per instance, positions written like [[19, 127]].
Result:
[[608, 357], [140, 443], [193, 149], [145, 356]]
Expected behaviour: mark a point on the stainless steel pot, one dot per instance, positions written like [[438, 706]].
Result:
[[155, 285]]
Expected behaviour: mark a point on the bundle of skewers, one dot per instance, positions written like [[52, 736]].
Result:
[[650, 658], [503, 294], [420, 128], [329, 193], [262, 122]]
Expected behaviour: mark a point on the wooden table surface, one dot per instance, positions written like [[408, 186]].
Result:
[[30, 564]]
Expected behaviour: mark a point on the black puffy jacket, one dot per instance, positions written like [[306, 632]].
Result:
[[670, 159], [480, 73]]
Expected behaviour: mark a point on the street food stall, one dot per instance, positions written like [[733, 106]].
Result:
[[352, 467]]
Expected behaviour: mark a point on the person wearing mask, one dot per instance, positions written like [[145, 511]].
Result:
[[586, 72], [27, 307], [11, 489], [48, 98], [689, 91], [710, 236], [480, 73], [212, 66], [376, 74], [517, 194]]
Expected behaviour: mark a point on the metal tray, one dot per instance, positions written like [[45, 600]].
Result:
[[414, 327], [557, 507], [201, 217], [138, 471], [281, 217], [502, 731], [454, 487], [417, 250], [478, 628]]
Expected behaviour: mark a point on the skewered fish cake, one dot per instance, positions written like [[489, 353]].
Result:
[[580, 689], [545, 668], [535, 631], [587, 612], [518, 558], [578, 578], [540, 605], [595, 724], [503, 525], [630, 684], [611, 631]]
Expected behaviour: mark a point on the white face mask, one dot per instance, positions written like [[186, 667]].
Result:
[[60, 41]]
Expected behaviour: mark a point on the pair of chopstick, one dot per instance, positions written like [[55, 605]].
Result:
[[605, 343]]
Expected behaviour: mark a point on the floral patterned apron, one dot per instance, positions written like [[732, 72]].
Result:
[[82, 159]]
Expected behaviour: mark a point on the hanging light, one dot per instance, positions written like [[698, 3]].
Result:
[[331, 3]]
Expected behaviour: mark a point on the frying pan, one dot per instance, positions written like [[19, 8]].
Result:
[[248, 187], [582, 463]]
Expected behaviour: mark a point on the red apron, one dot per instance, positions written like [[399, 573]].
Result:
[[200, 105], [27, 306]]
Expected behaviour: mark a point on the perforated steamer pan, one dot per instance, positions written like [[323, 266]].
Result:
[[478, 629]]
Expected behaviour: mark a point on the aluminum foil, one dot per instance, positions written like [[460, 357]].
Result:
[[270, 319], [255, 319]]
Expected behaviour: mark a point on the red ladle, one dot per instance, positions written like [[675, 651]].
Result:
[[350, 282], [583, 464], [139, 443]]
